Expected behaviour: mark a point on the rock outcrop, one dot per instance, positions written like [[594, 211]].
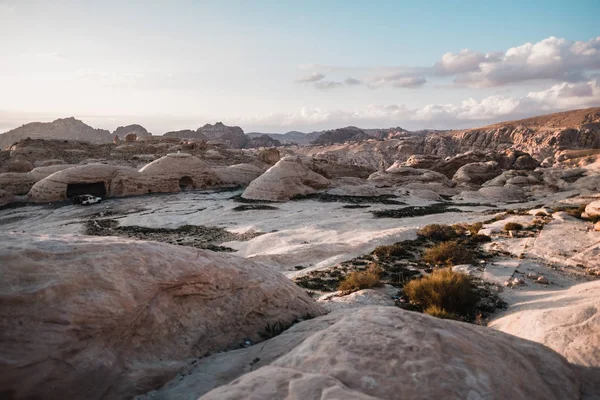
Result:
[[233, 136], [97, 179], [592, 210], [178, 171], [123, 131], [6, 198], [263, 141], [342, 135], [382, 353], [568, 323], [186, 134], [286, 179], [99, 318], [239, 174], [477, 173], [65, 128], [398, 175], [16, 183], [269, 156]]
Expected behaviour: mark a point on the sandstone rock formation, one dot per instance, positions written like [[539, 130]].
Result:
[[6, 198], [97, 179], [381, 353], [568, 323], [178, 171], [123, 131], [232, 136], [397, 175], [477, 173], [341, 135], [239, 174], [186, 134], [263, 141], [286, 179], [16, 183], [592, 210], [108, 318], [269, 156], [131, 137], [65, 128]]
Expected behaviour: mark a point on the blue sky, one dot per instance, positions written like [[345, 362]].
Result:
[[306, 65]]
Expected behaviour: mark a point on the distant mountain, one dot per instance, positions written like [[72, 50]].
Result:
[[263, 141], [123, 131], [341, 135], [186, 134], [64, 128], [233, 136], [296, 137]]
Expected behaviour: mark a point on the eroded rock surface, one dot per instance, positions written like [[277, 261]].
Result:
[[98, 318]]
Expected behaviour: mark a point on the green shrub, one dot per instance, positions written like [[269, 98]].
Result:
[[448, 253], [359, 280], [448, 291], [393, 250], [438, 312], [437, 232], [513, 226]]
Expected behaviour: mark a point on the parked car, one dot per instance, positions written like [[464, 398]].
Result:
[[86, 199]]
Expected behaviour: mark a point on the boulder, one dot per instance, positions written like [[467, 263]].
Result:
[[46, 163], [178, 171], [16, 183], [381, 353], [19, 165], [131, 137], [286, 179], [100, 317], [97, 179], [269, 156], [476, 173], [592, 210], [421, 161], [401, 175], [568, 322], [6, 198], [239, 174], [40, 173], [504, 194]]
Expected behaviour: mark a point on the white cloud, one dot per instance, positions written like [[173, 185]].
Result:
[[552, 59], [469, 112], [314, 77]]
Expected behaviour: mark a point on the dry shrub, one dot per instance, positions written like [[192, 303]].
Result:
[[471, 229], [438, 312], [437, 232], [448, 253], [445, 290], [513, 226], [393, 250], [359, 280]]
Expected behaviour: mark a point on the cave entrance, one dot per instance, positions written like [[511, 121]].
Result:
[[97, 189], [186, 183]]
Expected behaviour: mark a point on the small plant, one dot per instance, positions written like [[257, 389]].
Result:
[[443, 292], [513, 226], [437, 232], [359, 280], [394, 250], [471, 229], [438, 312], [540, 214], [275, 329], [448, 253]]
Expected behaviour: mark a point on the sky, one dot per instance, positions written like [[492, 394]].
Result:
[[281, 65]]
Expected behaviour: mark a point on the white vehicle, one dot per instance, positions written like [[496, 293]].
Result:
[[86, 199]]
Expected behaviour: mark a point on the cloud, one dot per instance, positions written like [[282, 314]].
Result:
[[552, 60], [467, 113], [352, 81], [314, 77], [324, 85]]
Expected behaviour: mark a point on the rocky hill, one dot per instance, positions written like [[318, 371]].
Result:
[[64, 128], [233, 136], [541, 136], [263, 141], [139, 130], [186, 134], [341, 135]]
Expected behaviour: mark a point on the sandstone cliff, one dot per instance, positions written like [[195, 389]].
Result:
[[64, 128]]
